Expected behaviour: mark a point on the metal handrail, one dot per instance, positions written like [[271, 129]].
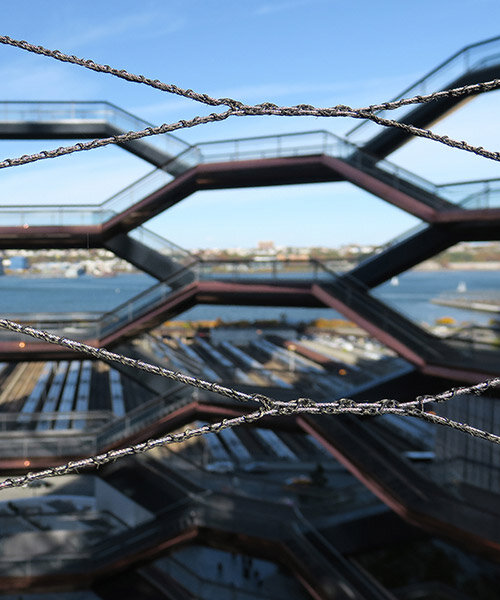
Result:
[[15, 443], [327, 143], [414, 88], [475, 196], [111, 105], [418, 335], [133, 308], [137, 306]]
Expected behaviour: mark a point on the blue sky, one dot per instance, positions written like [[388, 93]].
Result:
[[321, 52]]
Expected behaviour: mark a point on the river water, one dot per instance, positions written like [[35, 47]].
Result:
[[412, 297]]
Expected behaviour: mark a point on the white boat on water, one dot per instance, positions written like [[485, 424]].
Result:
[[462, 287], [395, 281]]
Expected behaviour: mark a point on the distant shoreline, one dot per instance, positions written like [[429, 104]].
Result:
[[434, 267], [425, 268]]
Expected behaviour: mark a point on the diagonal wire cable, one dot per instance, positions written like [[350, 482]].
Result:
[[237, 108], [277, 409], [475, 88], [117, 139], [268, 407], [264, 110], [106, 355], [121, 73]]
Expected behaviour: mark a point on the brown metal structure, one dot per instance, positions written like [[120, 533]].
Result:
[[353, 443]]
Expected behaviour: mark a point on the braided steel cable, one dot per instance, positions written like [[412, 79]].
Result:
[[106, 355], [278, 409], [116, 139], [295, 407], [264, 110], [475, 88], [237, 108], [121, 73], [268, 407]]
